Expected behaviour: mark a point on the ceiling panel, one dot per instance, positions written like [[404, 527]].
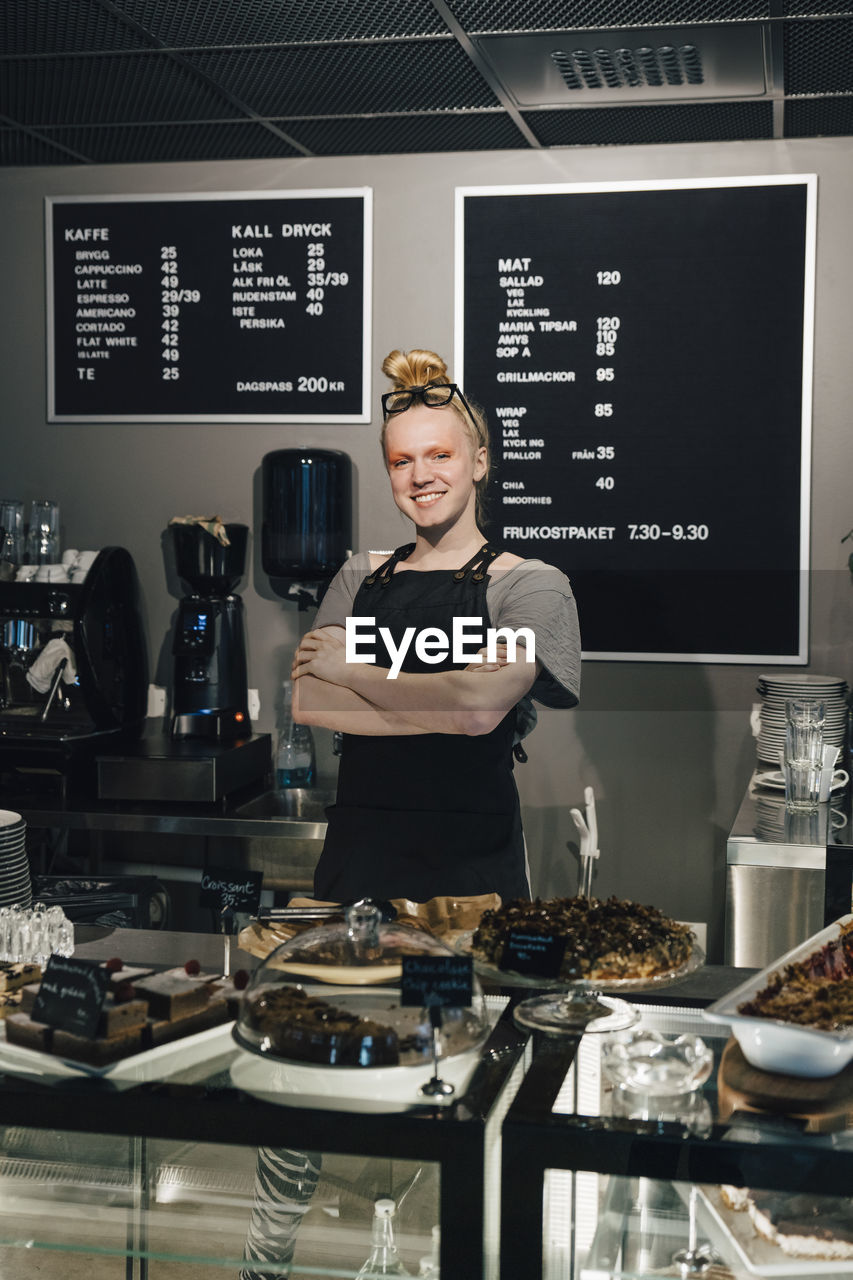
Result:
[[17, 147], [819, 56], [119, 81], [113, 89], [58, 26], [628, 126], [219, 22], [203, 140], [819, 117], [558, 15], [342, 79], [376, 135]]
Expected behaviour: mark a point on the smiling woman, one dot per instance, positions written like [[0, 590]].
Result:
[[427, 803]]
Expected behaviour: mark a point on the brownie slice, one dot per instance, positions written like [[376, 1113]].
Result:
[[161, 1031], [28, 996], [122, 1016], [101, 1050], [308, 1029], [127, 973], [20, 1029], [174, 994], [115, 1015]]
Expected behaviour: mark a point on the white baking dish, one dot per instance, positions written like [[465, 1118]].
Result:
[[778, 1046]]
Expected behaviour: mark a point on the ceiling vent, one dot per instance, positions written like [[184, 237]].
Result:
[[641, 64]]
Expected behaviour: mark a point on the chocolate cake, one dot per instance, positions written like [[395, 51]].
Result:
[[612, 939], [295, 1025], [814, 992]]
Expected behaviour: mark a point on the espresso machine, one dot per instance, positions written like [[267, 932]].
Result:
[[210, 685], [73, 668]]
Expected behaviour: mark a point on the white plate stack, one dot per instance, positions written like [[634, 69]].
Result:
[[775, 692], [15, 885]]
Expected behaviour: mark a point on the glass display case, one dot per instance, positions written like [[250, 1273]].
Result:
[[620, 1184], [539, 1164], [180, 1167]]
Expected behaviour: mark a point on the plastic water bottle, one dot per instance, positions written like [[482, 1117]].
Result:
[[384, 1259], [294, 757]]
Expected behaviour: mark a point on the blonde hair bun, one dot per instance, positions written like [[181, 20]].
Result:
[[417, 368], [414, 368]]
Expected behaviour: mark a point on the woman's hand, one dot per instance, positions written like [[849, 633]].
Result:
[[501, 660], [322, 654]]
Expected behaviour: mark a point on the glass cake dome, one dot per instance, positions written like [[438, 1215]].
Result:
[[332, 997]]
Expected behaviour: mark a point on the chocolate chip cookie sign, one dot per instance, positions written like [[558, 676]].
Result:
[[219, 307], [643, 353], [433, 981]]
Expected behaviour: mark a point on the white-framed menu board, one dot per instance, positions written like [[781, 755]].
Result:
[[643, 351], [210, 307]]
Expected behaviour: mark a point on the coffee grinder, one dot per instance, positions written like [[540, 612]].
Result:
[[210, 684]]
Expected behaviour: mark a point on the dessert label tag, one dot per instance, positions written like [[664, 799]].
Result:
[[71, 995], [437, 980], [234, 887], [537, 954]]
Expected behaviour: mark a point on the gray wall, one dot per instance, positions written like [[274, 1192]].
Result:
[[667, 746]]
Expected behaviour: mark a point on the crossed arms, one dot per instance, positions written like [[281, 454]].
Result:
[[359, 698]]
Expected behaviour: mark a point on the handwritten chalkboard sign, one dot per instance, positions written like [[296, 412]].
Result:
[[437, 981], [643, 352], [219, 307], [537, 954], [234, 889], [71, 995]]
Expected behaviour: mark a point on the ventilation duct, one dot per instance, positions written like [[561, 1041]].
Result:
[[640, 64]]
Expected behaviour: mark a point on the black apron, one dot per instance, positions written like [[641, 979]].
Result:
[[425, 815]]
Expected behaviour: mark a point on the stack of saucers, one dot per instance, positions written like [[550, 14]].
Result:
[[15, 886], [777, 689]]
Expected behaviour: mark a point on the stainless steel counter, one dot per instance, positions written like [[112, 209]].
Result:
[[281, 833], [297, 814], [775, 873]]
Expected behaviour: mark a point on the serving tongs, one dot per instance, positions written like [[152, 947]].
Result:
[[329, 912]]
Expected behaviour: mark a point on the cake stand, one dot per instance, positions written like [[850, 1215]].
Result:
[[564, 1007]]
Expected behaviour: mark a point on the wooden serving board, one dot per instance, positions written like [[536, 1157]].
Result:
[[343, 975], [826, 1102]]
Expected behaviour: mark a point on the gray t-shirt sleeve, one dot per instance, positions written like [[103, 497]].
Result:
[[539, 596], [336, 605]]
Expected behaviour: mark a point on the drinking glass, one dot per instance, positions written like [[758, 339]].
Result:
[[43, 532], [12, 526], [803, 753]]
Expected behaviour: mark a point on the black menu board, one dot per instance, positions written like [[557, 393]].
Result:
[[233, 306], [643, 352]]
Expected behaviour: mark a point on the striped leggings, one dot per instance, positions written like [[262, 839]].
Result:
[[285, 1181]]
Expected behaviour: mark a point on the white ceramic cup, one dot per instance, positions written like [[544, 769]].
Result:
[[828, 777]]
